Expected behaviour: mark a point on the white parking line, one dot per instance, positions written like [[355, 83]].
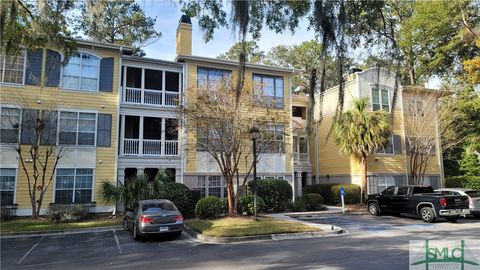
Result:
[[118, 242], [30, 250]]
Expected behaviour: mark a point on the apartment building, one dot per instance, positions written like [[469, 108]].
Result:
[[81, 99], [201, 172], [388, 166], [149, 118]]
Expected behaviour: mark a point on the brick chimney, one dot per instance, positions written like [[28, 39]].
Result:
[[184, 36]]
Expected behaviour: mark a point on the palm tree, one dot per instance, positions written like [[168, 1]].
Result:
[[360, 132], [134, 189]]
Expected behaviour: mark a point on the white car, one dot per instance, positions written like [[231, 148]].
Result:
[[473, 195]]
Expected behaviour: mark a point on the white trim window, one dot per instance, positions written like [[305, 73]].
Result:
[[74, 186], [77, 128], [211, 78], [388, 147], [268, 90], [8, 178], [380, 99], [273, 140], [9, 124], [82, 72], [215, 186], [12, 68]]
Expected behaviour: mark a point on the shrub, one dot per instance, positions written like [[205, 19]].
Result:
[[181, 196], [472, 182], [224, 205], [300, 205], [277, 194], [245, 205], [331, 192], [314, 201], [64, 213], [208, 207]]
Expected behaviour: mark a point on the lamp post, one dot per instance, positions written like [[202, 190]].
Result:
[[254, 132]]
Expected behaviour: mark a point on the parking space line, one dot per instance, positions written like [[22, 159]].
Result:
[[30, 250], [118, 242]]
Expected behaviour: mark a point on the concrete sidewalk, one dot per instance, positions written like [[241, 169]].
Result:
[[327, 229]]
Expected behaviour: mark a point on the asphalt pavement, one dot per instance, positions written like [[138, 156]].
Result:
[[371, 243]]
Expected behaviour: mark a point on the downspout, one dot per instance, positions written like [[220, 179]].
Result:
[[183, 150], [119, 95], [439, 150], [404, 136], [317, 180], [291, 140]]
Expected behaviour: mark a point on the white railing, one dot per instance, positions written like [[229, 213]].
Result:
[[131, 146], [301, 157], [150, 97], [152, 147], [304, 157], [171, 148]]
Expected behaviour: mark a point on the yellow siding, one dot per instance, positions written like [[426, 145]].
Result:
[[101, 102], [190, 155]]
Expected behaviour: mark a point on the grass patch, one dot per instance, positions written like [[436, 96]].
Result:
[[242, 226], [28, 224]]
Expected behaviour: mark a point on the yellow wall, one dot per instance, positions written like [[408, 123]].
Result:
[[102, 102], [191, 153]]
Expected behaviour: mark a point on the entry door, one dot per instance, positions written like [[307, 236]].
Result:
[[304, 179]]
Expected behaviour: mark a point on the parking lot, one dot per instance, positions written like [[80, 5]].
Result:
[[117, 249]]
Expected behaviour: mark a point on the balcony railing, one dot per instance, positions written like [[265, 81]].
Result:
[[133, 95], [301, 157], [146, 147]]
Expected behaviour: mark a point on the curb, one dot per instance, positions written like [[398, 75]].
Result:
[[60, 232], [275, 237]]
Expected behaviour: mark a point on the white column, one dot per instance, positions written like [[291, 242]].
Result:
[[163, 137], [140, 137], [163, 90], [122, 134]]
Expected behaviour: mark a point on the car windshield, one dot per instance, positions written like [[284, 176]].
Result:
[[158, 207], [419, 190], [473, 194]]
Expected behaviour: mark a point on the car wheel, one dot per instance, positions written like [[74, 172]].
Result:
[[452, 219], [136, 234], [427, 214], [373, 209], [125, 224]]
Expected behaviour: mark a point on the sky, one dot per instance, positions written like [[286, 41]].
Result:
[[168, 13]]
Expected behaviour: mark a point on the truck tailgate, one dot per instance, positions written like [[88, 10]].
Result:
[[456, 202]]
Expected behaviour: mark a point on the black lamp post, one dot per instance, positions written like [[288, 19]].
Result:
[[254, 132]]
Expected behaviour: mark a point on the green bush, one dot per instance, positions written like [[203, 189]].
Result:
[[64, 213], [224, 205], [314, 201], [331, 192], [245, 205], [208, 207], [277, 194], [181, 196], [472, 182], [300, 205]]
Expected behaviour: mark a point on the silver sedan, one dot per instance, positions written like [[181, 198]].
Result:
[[154, 217], [473, 197]]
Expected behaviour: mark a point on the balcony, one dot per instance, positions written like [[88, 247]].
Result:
[[151, 87], [301, 158], [148, 136]]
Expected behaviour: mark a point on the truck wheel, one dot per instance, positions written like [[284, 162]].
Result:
[[427, 214], [125, 224], [373, 209], [452, 219]]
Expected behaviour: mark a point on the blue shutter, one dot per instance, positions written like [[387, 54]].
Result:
[[33, 73], [104, 130], [52, 68], [106, 74], [29, 119], [49, 132], [397, 145]]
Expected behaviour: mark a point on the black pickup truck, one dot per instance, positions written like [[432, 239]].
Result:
[[418, 200]]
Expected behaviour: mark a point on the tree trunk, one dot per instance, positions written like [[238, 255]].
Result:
[[364, 177], [231, 203], [35, 214]]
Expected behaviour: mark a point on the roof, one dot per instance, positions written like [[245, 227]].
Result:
[[414, 88], [104, 45], [152, 60], [183, 57]]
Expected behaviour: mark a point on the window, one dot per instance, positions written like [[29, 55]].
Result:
[[215, 186], [402, 191], [300, 112], [81, 72], [273, 140], [387, 148], [380, 99], [209, 138], [12, 68], [7, 185], [172, 81], [210, 77], [77, 128], [389, 191], [303, 145], [384, 181], [201, 181], [153, 79], [73, 186], [415, 108], [9, 124], [268, 90]]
